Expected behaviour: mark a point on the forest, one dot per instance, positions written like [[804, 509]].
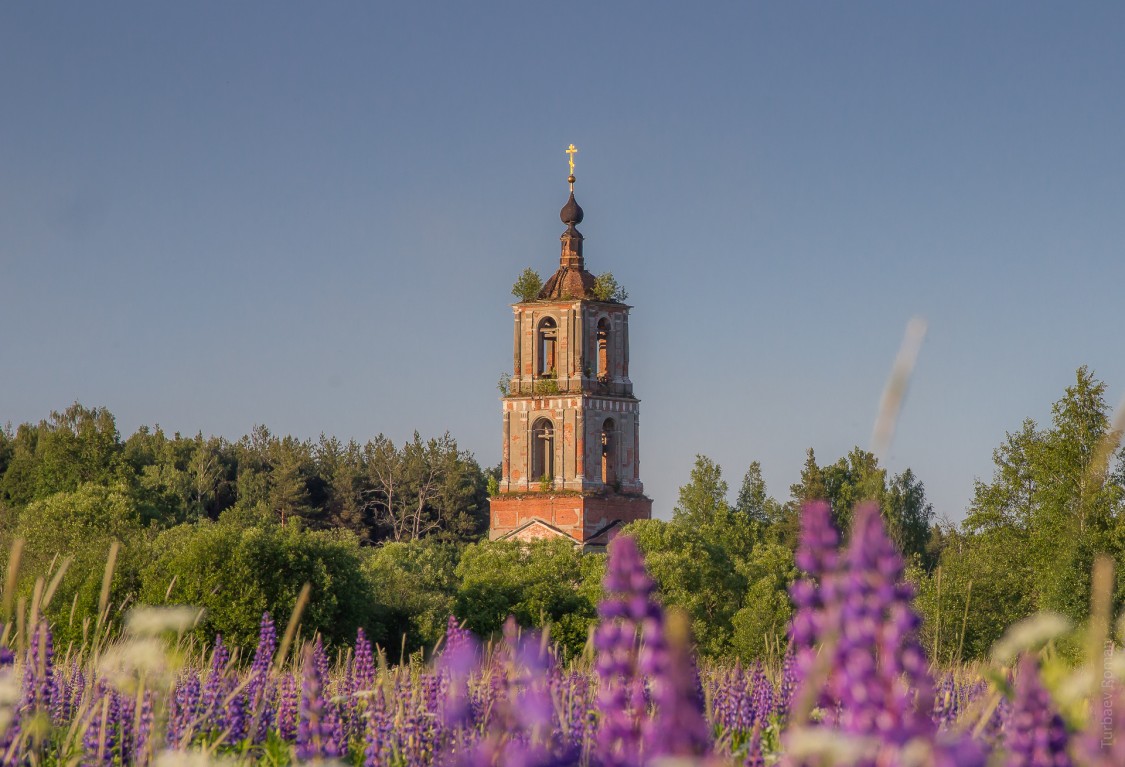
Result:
[[392, 538]]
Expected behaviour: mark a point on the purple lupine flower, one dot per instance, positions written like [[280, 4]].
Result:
[[522, 727], [315, 728], [410, 736], [535, 673], [375, 733], [257, 688], [754, 756], [761, 696], [677, 727], [267, 646], [957, 751], [882, 679], [456, 634], [876, 683], [787, 687], [947, 702], [60, 698], [577, 701], [363, 667], [10, 731], [184, 711], [738, 704], [1103, 743], [1035, 733], [235, 717], [333, 731], [40, 690], [99, 740], [76, 691], [993, 731], [320, 659], [430, 685], [455, 665], [813, 598], [621, 701], [287, 704], [216, 686], [124, 710], [142, 743]]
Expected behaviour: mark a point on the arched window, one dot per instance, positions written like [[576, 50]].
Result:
[[603, 348], [548, 337], [542, 450], [609, 452]]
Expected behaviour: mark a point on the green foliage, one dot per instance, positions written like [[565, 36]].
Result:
[[81, 525], [982, 589], [527, 287], [704, 495], [545, 387], [543, 582], [606, 288], [247, 563], [414, 582], [720, 564], [505, 384], [1049, 497], [377, 490], [858, 477], [1032, 533], [718, 568], [76, 446], [426, 488], [245, 524], [753, 501]]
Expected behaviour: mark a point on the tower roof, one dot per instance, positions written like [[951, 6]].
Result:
[[571, 213], [571, 280]]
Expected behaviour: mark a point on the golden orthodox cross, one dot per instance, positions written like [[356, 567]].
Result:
[[571, 151]]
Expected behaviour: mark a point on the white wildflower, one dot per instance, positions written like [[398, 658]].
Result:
[[175, 758], [1075, 687], [154, 621], [828, 746], [123, 662], [1029, 634]]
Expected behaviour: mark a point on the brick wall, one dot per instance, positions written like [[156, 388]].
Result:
[[578, 516]]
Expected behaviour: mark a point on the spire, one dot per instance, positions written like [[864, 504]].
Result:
[[571, 214], [571, 280]]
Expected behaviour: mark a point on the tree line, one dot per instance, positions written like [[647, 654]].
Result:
[[391, 538], [378, 490]]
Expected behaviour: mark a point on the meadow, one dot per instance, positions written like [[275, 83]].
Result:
[[853, 687]]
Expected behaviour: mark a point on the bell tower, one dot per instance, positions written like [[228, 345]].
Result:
[[571, 424]]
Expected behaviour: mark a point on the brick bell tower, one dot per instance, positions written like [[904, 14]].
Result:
[[571, 444]]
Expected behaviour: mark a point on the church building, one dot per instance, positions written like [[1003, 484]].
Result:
[[571, 436]]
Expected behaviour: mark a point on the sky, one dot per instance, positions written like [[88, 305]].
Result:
[[310, 216]]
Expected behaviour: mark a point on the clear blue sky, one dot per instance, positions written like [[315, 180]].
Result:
[[310, 216]]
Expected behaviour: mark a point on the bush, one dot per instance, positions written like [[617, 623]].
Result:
[[414, 584], [246, 564], [83, 525], [543, 582], [606, 288], [528, 285]]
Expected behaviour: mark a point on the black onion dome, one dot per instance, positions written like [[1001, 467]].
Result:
[[571, 212]]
